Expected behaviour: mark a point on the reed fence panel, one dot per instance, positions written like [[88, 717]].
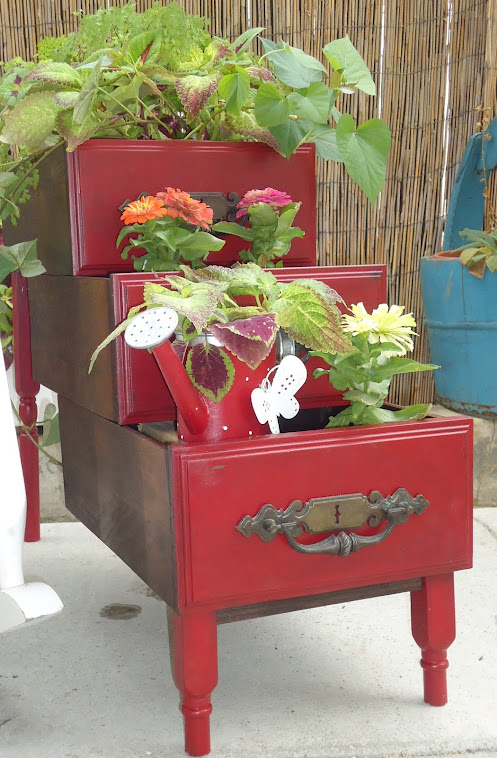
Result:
[[436, 72]]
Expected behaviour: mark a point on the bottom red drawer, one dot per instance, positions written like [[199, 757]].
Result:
[[217, 485]]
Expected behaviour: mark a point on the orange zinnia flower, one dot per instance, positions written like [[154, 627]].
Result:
[[146, 209], [183, 205]]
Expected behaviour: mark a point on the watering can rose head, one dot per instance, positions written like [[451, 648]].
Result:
[[242, 307], [270, 214], [380, 343], [171, 227]]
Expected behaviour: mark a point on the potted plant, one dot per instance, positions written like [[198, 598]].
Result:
[[228, 322], [380, 341], [459, 289], [158, 77]]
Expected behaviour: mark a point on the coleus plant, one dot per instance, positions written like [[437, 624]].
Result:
[[160, 75], [380, 342], [170, 227], [208, 302], [270, 214]]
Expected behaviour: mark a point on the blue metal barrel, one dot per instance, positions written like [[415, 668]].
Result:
[[461, 320]]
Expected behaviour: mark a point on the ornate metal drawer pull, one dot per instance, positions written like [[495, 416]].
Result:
[[334, 514]]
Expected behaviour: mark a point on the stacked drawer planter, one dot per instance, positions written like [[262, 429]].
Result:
[[248, 527]]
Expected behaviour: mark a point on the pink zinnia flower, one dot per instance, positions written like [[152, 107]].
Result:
[[270, 196]]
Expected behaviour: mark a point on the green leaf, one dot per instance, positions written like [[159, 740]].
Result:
[[397, 365], [87, 94], [111, 337], [271, 108], [306, 60], [244, 41], [309, 318], [314, 105], [383, 415], [198, 305], [55, 73], [31, 121], [200, 242], [234, 89], [325, 139], [492, 263], [51, 431], [292, 69], [237, 230], [20, 257], [289, 135], [364, 152], [286, 218], [136, 46], [482, 238], [345, 59]]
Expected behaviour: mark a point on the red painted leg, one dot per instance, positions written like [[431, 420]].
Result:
[[27, 389], [195, 675], [434, 629]]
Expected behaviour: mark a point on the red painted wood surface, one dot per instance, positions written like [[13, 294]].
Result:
[[434, 630], [195, 675], [142, 393], [200, 419], [104, 173], [217, 485], [27, 389]]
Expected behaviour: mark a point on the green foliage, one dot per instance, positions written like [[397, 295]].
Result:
[[364, 376], [20, 257], [270, 232], [206, 299], [480, 252], [6, 324]]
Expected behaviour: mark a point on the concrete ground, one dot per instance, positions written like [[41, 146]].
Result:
[[333, 682]]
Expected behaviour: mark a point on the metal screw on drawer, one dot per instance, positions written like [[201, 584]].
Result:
[[270, 526]]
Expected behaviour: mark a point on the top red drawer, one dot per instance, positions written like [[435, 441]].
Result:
[[75, 207]]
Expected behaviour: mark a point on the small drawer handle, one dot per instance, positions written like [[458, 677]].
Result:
[[334, 514]]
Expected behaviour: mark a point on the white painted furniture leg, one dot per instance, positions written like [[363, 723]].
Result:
[[19, 602]]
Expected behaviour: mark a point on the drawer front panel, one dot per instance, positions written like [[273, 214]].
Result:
[[142, 393], [104, 173], [217, 485]]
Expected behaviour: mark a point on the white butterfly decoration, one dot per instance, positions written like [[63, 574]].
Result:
[[271, 400]]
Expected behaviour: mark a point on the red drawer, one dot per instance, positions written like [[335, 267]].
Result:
[[141, 390], [216, 485], [81, 192]]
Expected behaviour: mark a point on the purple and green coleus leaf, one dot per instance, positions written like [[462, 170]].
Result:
[[198, 306], [249, 339], [194, 91], [56, 73], [211, 370]]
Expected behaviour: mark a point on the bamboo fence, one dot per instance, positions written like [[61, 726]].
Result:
[[436, 73]]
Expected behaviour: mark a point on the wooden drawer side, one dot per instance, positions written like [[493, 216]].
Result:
[[69, 318], [116, 482]]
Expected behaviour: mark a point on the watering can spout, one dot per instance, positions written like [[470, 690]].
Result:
[[151, 330]]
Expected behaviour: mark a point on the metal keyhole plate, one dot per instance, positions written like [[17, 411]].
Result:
[[151, 328]]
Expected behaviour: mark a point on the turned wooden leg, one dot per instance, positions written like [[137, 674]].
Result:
[[434, 629], [195, 674], [27, 389]]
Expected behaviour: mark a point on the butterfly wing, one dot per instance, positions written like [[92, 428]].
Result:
[[288, 379], [260, 404], [263, 409]]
